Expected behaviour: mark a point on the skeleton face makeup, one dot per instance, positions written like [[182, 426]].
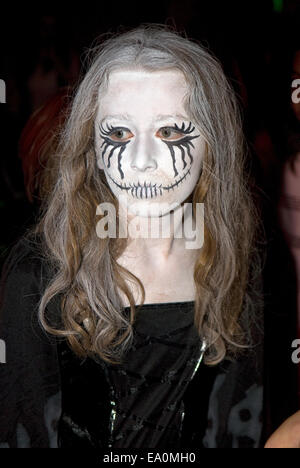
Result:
[[146, 144]]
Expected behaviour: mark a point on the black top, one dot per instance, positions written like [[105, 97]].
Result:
[[146, 390], [159, 397]]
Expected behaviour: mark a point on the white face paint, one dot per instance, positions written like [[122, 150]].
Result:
[[150, 150]]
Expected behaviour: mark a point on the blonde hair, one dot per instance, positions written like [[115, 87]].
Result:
[[87, 276]]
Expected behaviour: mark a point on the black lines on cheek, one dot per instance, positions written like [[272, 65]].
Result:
[[183, 156], [119, 161], [187, 145], [171, 148], [184, 144], [184, 147], [109, 156], [105, 144], [121, 147]]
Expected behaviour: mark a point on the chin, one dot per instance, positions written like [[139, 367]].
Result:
[[152, 208], [157, 206]]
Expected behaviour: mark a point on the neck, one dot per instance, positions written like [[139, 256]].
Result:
[[158, 237]]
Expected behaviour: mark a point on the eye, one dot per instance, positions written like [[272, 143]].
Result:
[[120, 134], [168, 133]]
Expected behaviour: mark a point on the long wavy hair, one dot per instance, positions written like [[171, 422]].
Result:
[[86, 275]]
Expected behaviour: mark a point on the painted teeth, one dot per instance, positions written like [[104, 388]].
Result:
[[148, 191], [144, 191]]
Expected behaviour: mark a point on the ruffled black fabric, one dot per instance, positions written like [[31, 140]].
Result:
[[161, 396], [146, 390]]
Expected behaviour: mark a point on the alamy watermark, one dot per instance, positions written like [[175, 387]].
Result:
[[296, 353], [296, 92], [2, 342], [2, 92], [161, 220], [2, 352]]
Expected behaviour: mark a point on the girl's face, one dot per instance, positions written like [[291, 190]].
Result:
[[148, 147]]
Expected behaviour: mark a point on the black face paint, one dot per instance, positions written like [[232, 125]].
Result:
[[183, 144], [115, 144]]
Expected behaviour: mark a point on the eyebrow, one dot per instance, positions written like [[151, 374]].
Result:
[[158, 118], [117, 116], [176, 116]]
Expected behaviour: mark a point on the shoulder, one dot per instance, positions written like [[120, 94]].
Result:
[[24, 263], [24, 277]]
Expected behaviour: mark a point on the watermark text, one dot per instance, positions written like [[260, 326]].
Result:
[[2, 352], [2, 92], [159, 221], [296, 92], [296, 353]]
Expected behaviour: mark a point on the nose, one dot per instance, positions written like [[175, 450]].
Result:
[[144, 159]]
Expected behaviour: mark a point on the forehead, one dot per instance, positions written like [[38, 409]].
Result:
[[142, 92]]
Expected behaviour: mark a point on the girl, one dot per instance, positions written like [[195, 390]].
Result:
[[106, 324]]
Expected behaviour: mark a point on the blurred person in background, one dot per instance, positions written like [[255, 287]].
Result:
[[38, 143], [288, 433], [289, 201]]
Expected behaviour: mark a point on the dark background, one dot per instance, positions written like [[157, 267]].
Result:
[[40, 52], [254, 40]]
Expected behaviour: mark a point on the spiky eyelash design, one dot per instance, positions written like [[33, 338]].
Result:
[[184, 130], [115, 144], [182, 144], [109, 129]]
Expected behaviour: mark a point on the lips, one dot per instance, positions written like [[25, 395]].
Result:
[[148, 189]]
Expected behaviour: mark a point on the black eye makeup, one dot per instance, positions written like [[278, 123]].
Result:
[[115, 137], [180, 138], [173, 136], [119, 134]]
